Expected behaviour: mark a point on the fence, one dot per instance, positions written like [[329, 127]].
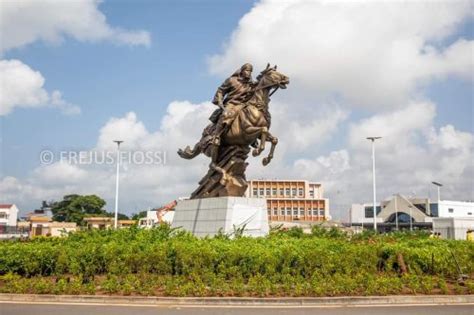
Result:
[[11, 232]]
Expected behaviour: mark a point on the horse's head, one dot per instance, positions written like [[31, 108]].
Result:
[[270, 77]]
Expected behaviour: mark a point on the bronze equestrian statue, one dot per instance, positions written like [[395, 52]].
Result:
[[241, 121]]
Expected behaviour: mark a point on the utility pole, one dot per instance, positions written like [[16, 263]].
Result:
[[396, 212], [118, 142], [373, 179], [411, 219]]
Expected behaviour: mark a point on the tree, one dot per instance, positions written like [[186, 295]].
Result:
[[139, 215], [120, 216], [73, 208]]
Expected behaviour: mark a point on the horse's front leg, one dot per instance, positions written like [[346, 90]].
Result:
[[274, 142], [258, 132]]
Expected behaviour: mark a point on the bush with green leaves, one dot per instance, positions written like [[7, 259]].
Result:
[[165, 261]]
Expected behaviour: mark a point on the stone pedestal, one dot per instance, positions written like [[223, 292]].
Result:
[[207, 216]]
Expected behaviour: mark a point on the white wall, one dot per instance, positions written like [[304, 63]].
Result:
[[150, 219], [358, 214], [61, 231], [168, 217], [459, 209], [453, 228], [11, 216]]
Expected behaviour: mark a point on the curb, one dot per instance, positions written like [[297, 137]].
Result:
[[241, 301]]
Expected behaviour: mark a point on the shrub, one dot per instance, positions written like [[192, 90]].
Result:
[[172, 262]]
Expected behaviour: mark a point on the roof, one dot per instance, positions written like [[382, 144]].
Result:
[[6, 206], [40, 219], [63, 224], [97, 219], [127, 221]]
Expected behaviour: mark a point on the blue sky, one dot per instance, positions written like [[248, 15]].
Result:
[[108, 80], [354, 69]]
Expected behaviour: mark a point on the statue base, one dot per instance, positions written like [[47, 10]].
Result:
[[209, 216]]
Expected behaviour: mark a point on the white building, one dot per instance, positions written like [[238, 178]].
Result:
[[150, 220], [453, 228], [402, 212], [455, 209], [8, 214], [156, 216]]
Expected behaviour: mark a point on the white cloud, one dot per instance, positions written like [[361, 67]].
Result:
[[301, 136], [60, 173], [411, 155], [372, 54], [394, 127], [21, 86], [369, 55], [335, 163], [26, 21], [141, 186]]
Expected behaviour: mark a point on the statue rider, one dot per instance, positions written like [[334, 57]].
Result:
[[235, 90]]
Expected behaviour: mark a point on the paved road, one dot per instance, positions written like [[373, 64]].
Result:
[[60, 309]]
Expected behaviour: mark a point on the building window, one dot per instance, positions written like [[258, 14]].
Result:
[[302, 212], [315, 212], [288, 211], [255, 192], [321, 212], [469, 213], [300, 192], [262, 192], [311, 193], [287, 192], [282, 192], [269, 212], [293, 192], [268, 192], [274, 191], [369, 211], [295, 211], [275, 211], [3, 215], [450, 210], [282, 211]]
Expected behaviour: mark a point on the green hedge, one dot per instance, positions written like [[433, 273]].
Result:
[[169, 262]]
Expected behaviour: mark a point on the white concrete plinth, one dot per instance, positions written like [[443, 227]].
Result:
[[208, 216]]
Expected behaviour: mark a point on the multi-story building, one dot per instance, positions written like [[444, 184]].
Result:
[[291, 200], [8, 215]]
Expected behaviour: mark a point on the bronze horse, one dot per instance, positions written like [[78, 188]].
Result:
[[247, 124], [251, 120]]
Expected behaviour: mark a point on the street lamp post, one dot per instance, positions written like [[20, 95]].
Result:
[[118, 142], [411, 219], [373, 179], [396, 212]]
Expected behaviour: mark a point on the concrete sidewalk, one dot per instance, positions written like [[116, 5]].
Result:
[[249, 301]]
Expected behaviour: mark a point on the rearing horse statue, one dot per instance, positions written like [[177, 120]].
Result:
[[248, 124]]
